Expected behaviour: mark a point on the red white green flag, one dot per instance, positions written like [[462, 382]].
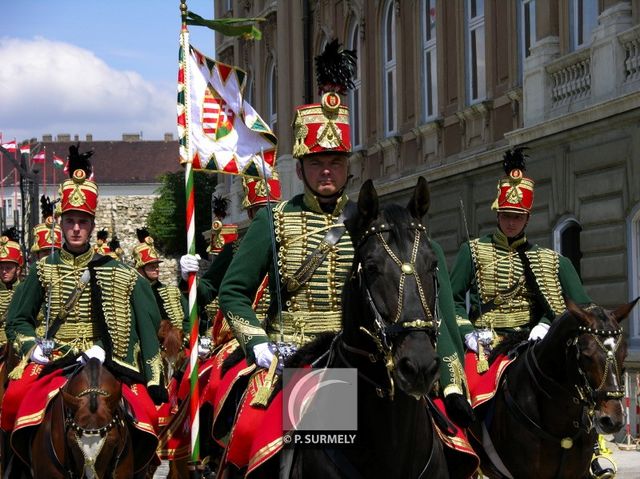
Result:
[[10, 146], [58, 162], [226, 134], [40, 157]]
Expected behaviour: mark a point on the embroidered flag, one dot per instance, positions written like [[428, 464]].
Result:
[[10, 147], [225, 133], [58, 162], [40, 157]]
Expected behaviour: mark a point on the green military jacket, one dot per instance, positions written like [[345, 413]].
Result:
[[314, 307], [128, 306], [493, 273], [6, 295], [172, 304]]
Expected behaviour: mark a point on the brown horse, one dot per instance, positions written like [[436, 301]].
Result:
[[84, 433], [172, 350], [555, 397]]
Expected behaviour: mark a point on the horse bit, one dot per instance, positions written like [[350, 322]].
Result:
[[382, 331]]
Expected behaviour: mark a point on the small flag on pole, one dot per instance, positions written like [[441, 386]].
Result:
[[25, 150], [10, 147], [58, 162], [226, 134], [40, 157]]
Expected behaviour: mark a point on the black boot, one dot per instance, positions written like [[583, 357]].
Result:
[[597, 471]]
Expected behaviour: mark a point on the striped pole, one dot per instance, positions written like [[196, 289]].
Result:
[[184, 116], [627, 445]]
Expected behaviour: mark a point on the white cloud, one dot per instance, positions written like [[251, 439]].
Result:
[[54, 87]]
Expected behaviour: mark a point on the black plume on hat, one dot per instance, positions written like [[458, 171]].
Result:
[[114, 244], [220, 206], [46, 207], [336, 68], [11, 233], [79, 161], [142, 234], [102, 234], [514, 159]]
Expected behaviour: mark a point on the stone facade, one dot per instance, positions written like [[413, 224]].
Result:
[[123, 215]]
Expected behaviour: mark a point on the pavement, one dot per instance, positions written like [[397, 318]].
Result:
[[627, 461]]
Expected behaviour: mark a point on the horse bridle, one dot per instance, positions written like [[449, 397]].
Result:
[[382, 330]]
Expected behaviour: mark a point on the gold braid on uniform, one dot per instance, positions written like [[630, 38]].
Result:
[[117, 286], [316, 306], [243, 330], [458, 383], [155, 364], [171, 296], [5, 299]]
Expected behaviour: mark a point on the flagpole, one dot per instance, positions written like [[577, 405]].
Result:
[[194, 398], [44, 171]]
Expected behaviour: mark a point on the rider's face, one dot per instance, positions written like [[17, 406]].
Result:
[[152, 270], [326, 173], [512, 224], [77, 227], [8, 271]]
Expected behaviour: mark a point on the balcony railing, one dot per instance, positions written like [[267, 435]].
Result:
[[570, 78]]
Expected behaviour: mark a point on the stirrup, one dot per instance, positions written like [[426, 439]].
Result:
[[599, 472]]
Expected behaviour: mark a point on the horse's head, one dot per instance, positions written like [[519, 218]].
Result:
[[601, 350], [171, 346], [94, 427], [392, 287]]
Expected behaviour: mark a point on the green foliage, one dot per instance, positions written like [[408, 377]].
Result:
[[167, 220]]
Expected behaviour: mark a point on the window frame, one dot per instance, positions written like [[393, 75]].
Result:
[[389, 69], [429, 48], [472, 26], [355, 94]]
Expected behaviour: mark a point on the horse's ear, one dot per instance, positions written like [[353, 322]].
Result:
[[368, 205], [578, 313], [420, 201], [623, 311]]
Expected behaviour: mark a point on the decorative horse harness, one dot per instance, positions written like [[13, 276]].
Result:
[[585, 394]]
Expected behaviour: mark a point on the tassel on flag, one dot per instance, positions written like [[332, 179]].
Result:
[[58, 162], [10, 147]]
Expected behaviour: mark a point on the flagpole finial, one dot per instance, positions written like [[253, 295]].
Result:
[[183, 11]]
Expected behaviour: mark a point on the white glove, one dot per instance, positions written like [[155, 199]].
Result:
[[204, 347], [37, 356], [189, 263], [471, 340], [94, 351], [263, 355], [539, 331]]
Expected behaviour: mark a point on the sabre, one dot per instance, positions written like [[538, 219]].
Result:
[[485, 336], [46, 343]]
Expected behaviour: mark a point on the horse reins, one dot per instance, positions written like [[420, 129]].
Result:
[[380, 336], [586, 394]]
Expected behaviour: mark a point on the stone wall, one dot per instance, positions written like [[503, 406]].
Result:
[[122, 215]]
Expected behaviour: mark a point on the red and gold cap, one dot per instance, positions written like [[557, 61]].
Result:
[[258, 192], [42, 231], [324, 127], [515, 191], [42, 236], [101, 246], [9, 248], [79, 192], [145, 252]]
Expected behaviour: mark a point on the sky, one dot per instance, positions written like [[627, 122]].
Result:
[[104, 67]]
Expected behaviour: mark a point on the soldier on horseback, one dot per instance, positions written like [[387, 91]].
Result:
[[314, 254], [513, 285], [94, 307], [11, 262]]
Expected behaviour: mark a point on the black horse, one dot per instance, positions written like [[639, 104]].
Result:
[[556, 396], [389, 333]]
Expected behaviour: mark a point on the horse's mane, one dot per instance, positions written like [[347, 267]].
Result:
[[63, 363], [508, 344]]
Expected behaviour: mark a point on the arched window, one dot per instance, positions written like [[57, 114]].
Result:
[[389, 67], [633, 242], [583, 18], [475, 51], [272, 95], [429, 59], [355, 104], [566, 241]]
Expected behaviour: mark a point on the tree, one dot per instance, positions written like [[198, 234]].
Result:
[[167, 222]]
